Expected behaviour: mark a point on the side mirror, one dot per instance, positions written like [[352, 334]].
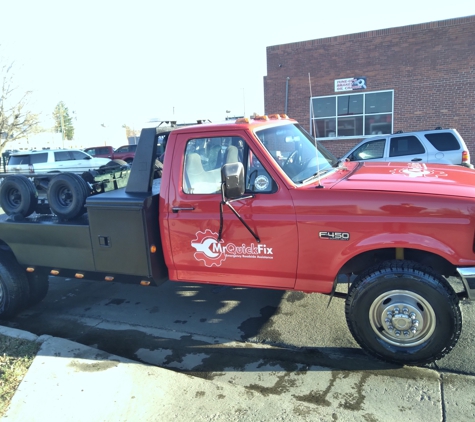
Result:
[[232, 175]]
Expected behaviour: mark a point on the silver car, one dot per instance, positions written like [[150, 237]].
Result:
[[53, 160], [444, 146]]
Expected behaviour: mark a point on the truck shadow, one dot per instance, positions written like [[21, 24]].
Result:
[[203, 330]]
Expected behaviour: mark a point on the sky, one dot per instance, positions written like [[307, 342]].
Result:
[[116, 63]]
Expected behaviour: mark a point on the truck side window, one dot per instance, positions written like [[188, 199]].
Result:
[[203, 161], [204, 158], [257, 178]]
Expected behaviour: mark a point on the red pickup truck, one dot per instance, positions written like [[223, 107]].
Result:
[[125, 152], [257, 203]]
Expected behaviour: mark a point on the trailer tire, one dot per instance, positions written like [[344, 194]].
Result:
[[14, 288], [67, 194], [85, 186], [39, 285], [18, 195], [117, 163], [404, 313]]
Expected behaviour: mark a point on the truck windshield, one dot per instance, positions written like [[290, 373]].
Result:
[[295, 151]]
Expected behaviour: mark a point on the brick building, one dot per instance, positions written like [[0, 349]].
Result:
[[406, 78]]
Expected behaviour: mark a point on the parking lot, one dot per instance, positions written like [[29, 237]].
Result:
[[276, 343]]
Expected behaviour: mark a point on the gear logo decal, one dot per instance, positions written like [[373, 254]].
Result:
[[212, 252], [418, 170], [208, 249]]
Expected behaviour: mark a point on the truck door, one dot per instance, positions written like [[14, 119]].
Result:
[[194, 218]]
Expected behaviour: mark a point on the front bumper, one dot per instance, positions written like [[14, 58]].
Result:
[[468, 277]]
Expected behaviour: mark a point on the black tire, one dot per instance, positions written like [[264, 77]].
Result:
[[14, 288], [404, 313], [116, 163], [39, 285], [18, 195], [85, 186], [67, 194], [157, 169], [88, 176]]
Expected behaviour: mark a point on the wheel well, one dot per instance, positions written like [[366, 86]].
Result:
[[367, 259]]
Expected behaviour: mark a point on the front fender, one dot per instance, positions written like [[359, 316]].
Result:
[[401, 240]]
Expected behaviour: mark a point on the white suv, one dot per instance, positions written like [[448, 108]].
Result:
[[53, 160], [444, 146]]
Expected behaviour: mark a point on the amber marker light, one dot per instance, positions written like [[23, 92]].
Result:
[[263, 118], [145, 283], [108, 278], [153, 249], [30, 270], [79, 275], [54, 272]]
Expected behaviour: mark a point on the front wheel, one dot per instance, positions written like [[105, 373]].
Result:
[[403, 313]]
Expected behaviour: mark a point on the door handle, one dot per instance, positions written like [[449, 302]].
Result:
[[416, 159], [176, 209]]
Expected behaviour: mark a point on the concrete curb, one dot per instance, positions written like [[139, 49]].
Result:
[[71, 382]]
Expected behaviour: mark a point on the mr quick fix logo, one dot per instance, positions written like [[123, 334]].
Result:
[[212, 252]]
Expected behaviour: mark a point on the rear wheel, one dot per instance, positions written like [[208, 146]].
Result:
[[14, 288], [18, 195], [67, 194], [403, 313]]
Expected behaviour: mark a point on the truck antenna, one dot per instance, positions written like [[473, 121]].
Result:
[[312, 117]]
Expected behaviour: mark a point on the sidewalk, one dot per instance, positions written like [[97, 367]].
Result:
[[71, 382]]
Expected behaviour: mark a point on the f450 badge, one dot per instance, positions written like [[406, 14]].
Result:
[[334, 235]]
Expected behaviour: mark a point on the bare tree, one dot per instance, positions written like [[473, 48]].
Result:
[[16, 121]]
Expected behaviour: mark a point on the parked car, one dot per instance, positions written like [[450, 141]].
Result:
[[53, 160], [102, 151], [444, 146], [125, 152]]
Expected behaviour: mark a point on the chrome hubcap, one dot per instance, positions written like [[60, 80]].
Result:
[[402, 318]]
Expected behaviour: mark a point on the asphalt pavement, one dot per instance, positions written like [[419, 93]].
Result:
[[68, 381]]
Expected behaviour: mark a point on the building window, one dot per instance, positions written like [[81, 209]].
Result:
[[352, 115]]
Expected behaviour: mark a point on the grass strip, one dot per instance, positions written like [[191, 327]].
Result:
[[16, 356]]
